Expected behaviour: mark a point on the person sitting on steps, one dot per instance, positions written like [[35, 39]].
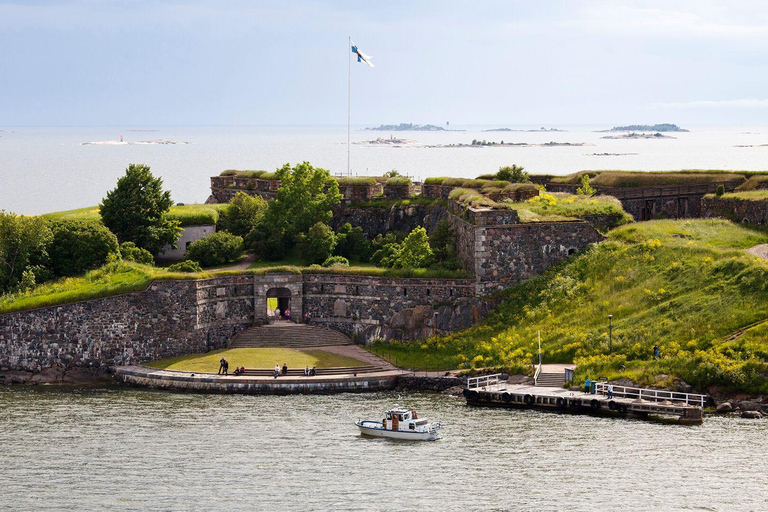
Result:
[[285, 369], [277, 370]]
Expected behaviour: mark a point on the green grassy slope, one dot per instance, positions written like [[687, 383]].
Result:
[[188, 214], [684, 285]]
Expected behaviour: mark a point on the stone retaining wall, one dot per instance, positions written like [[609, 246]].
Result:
[[737, 210], [376, 220]]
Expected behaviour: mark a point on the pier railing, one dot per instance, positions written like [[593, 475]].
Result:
[[483, 381], [536, 374], [652, 394]]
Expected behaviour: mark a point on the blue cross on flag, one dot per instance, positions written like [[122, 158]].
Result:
[[361, 57]]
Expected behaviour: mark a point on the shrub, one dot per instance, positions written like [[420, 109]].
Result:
[[720, 190], [317, 244], [130, 252], [242, 214], [24, 243], [515, 174], [398, 181], [216, 249], [336, 260], [185, 266], [79, 246]]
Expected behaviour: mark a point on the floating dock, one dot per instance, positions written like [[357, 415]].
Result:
[[491, 391]]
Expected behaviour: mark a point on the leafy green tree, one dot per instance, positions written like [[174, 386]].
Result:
[[514, 173], [392, 174], [185, 266], [384, 247], [242, 214], [415, 251], [352, 243], [216, 249], [317, 244], [585, 189], [306, 196], [130, 252], [135, 211], [442, 242], [24, 243], [80, 246]]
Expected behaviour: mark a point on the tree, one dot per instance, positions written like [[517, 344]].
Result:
[[441, 240], [352, 243], [242, 214], [585, 189], [392, 174], [514, 174], [24, 243], [317, 244], [130, 252], [135, 211], [306, 196], [413, 252], [216, 249], [80, 246]]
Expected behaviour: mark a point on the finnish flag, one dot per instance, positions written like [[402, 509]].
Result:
[[361, 57]]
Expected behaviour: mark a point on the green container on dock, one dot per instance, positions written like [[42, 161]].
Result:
[[593, 387]]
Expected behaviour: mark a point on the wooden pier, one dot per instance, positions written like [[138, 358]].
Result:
[[491, 391]]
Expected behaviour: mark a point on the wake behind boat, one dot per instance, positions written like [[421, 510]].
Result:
[[400, 423]]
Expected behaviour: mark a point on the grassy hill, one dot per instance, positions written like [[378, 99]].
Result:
[[684, 285]]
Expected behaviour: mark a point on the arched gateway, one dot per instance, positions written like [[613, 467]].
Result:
[[278, 291], [278, 302]]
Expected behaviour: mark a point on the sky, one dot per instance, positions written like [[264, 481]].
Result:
[[547, 63]]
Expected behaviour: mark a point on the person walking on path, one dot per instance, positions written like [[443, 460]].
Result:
[[610, 391], [288, 314], [221, 366]]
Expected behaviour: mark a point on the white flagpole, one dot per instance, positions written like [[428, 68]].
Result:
[[349, 95]]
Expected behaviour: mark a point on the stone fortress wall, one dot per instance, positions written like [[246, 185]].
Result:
[[743, 211]]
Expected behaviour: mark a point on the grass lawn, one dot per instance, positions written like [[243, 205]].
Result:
[[255, 358]]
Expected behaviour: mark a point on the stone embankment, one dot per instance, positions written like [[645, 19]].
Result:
[[743, 211]]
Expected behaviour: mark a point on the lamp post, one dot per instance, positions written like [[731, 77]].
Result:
[[610, 334]]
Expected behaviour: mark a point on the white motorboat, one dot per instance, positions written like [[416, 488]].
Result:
[[400, 423]]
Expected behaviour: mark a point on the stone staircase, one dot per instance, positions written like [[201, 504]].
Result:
[[288, 335], [551, 380]]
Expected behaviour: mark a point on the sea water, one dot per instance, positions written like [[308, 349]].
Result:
[[126, 449], [49, 169]]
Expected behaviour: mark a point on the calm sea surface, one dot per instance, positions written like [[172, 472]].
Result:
[[48, 169], [124, 449]]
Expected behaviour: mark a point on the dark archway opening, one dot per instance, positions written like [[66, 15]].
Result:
[[278, 304]]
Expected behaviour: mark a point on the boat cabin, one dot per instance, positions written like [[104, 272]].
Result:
[[403, 419]]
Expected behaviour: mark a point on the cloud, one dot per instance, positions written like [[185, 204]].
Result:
[[741, 103]]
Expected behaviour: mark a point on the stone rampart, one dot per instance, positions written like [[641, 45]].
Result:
[[501, 252], [224, 188], [738, 210], [379, 220], [369, 307]]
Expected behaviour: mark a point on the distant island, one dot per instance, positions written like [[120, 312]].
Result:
[[664, 127], [131, 143], [392, 141], [408, 127], [486, 143], [634, 135], [542, 129]]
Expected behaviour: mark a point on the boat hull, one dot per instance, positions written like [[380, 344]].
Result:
[[375, 429]]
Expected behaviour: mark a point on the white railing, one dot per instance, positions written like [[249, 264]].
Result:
[[652, 394], [536, 374], [483, 381]]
